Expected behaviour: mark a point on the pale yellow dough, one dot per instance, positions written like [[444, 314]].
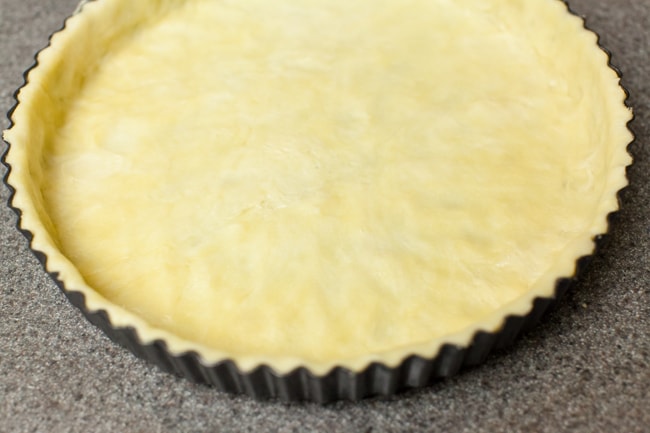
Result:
[[327, 180]]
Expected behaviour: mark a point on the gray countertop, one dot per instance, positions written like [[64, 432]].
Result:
[[585, 368]]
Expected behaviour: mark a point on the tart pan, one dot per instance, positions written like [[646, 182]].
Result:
[[301, 382]]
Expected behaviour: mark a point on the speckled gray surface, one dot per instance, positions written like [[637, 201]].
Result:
[[586, 368]]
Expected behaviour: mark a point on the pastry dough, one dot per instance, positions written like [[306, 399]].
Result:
[[329, 182]]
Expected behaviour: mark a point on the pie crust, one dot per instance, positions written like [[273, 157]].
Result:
[[317, 199]]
